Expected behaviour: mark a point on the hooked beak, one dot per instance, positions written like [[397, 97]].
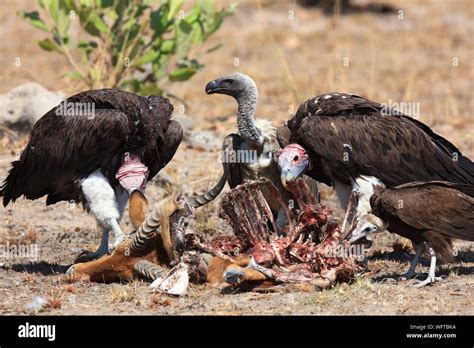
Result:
[[289, 174], [212, 87], [354, 237]]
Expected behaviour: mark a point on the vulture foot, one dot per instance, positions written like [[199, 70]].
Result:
[[408, 275], [431, 273], [120, 240], [86, 255], [427, 281]]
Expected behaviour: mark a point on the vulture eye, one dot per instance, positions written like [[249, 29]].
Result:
[[295, 158]]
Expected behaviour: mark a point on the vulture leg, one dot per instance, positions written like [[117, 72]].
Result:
[[119, 235], [431, 273], [420, 247], [103, 249], [102, 203]]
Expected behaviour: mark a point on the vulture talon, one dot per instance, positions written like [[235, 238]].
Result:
[[427, 281], [87, 256]]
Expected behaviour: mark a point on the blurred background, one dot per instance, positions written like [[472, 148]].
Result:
[[383, 50]]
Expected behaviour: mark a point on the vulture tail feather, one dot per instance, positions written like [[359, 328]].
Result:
[[10, 190]]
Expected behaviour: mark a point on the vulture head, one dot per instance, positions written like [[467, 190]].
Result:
[[244, 90], [293, 161], [236, 85], [367, 224]]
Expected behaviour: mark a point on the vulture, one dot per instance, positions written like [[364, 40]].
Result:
[[98, 147], [430, 213], [385, 145], [249, 155]]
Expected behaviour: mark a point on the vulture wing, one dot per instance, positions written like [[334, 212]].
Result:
[[393, 147], [434, 206], [66, 146]]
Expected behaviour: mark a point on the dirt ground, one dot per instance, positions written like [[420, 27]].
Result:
[[292, 56]]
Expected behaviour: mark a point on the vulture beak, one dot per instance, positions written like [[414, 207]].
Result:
[[138, 206], [213, 87], [293, 161], [369, 224], [291, 171]]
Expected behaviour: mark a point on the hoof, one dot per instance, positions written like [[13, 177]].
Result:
[[70, 271], [233, 275]]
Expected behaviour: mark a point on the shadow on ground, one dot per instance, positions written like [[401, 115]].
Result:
[[45, 268]]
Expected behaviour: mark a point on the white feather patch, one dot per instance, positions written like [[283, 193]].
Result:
[[267, 128], [100, 197], [364, 184]]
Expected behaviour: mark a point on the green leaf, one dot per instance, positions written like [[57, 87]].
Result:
[[132, 84], [175, 6], [86, 45], [182, 74], [150, 89], [73, 75], [104, 3], [147, 58], [193, 15], [167, 46], [35, 19], [93, 73], [44, 3], [213, 48], [209, 7], [159, 20], [197, 33], [128, 24], [48, 45], [185, 27], [99, 23], [63, 22], [53, 10], [159, 67]]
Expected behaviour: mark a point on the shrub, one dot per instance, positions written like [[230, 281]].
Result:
[[129, 43]]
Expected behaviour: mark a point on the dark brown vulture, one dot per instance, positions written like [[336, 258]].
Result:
[[432, 212], [249, 155], [97, 147], [386, 146]]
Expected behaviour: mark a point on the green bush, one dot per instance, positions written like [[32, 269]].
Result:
[[130, 44]]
